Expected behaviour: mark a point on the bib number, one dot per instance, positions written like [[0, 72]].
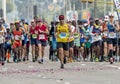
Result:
[[23, 37], [51, 38], [96, 38], [112, 35], [1, 39], [76, 36], [8, 42], [41, 36], [34, 36], [62, 35], [17, 37], [105, 34]]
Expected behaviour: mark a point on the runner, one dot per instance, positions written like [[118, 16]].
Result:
[[17, 37], [96, 40], [62, 36], [24, 39], [2, 33], [89, 31], [71, 40], [105, 37], [113, 27], [77, 43], [33, 39], [52, 43], [42, 32], [82, 31], [8, 45]]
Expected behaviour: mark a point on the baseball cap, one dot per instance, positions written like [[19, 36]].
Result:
[[61, 17]]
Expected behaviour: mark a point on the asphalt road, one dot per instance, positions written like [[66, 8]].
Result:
[[50, 73]]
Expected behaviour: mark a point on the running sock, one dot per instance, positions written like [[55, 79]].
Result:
[[110, 53], [114, 52]]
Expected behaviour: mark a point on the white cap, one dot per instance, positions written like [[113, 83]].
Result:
[[111, 14]]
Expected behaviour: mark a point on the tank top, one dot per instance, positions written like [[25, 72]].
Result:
[[17, 34], [63, 33], [111, 30]]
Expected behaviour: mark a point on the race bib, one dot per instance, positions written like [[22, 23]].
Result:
[[105, 33], [34, 35], [96, 38], [8, 42], [76, 36], [23, 37], [17, 37], [63, 35], [51, 38], [112, 35], [1, 39], [41, 36], [77, 42]]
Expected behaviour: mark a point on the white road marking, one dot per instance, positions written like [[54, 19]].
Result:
[[39, 76], [66, 82], [83, 64], [4, 69], [30, 66], [58, 81], [114, 66], [44, 77]]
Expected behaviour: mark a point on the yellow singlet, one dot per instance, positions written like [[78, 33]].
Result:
[[63, 33]]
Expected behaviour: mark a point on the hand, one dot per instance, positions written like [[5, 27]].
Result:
[[41, 31], [36, 32]]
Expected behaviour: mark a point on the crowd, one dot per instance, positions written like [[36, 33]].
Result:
[[95, 40]]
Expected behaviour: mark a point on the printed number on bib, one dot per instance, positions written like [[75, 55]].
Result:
[[41, 36], [76, 36], [112, 35], [51, 38], [105, 33], [62, 35], [23, 37], [34, 36], [17, 37], [1, 39]]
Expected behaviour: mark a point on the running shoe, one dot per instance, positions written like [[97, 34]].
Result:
[[65, 60], [96, 59], [40, 61], [62, 66], [106, 59], [33, 59], [111, 60]]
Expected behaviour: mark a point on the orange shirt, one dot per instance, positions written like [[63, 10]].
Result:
[[15, 32]]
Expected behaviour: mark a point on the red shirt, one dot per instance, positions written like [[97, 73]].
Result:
[[32, 31], [41, 36]]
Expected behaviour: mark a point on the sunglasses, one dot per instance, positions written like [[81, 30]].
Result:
[[111, 16]]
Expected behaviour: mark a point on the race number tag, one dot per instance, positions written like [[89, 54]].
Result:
[[1, 39], [23, 37], [8, 42], [76, 36], [17, 37], [105, 33], [41, 36], [34, 35], [51, 38], [112, 35], [96, 38], [63, 35]]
